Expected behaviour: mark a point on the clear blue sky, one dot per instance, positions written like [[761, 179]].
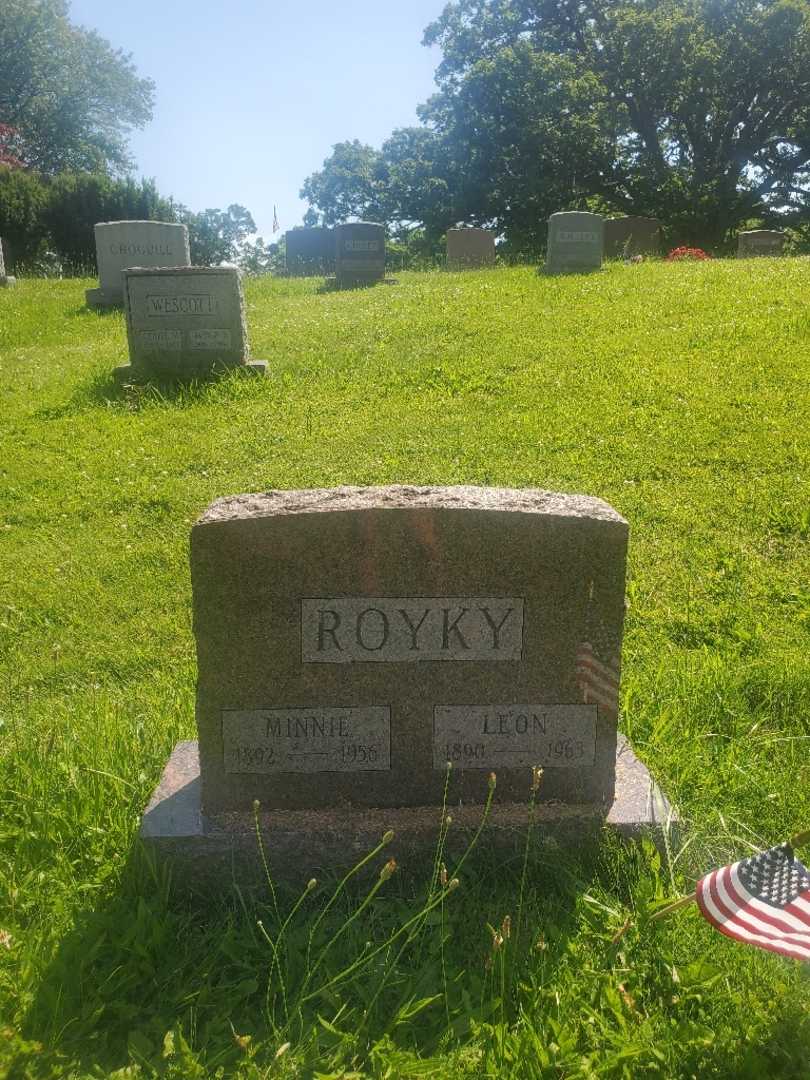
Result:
[[252, 95]]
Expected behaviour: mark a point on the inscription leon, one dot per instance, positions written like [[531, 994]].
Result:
[[385, 629], [307, 740], [488, 736]]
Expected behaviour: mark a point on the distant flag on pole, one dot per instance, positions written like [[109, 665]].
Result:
[[276, 225], [763, 901]]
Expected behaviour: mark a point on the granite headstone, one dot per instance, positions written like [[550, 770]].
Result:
[[755, 242], [351, 642], [470, 248], [309, 251], [185, 321], [626, 236], [359, 253], [575, 242], [121, 244]]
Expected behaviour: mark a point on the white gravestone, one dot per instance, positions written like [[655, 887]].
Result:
[[121, 244]]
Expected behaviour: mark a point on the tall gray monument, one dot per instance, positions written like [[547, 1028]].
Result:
[[351, 642], [575, 242], [121, 244]]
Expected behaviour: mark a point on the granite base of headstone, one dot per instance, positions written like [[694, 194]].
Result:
[[351, 642], [575, 242], [470, 249], [121, 244], [759, 242], [185, 322], [628, 236], [6, 280]]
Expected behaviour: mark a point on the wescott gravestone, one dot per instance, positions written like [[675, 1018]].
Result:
[[309, 251], [5, 279], [575, 242], [185, 322], [470, 248], [359, 253], [122, 244], [760, 242], [626, 236], [351, 642]]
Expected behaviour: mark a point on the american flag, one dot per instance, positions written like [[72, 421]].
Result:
[[276, 225], [764, 900], [597, 662]]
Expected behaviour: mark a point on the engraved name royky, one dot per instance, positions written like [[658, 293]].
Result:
[[344, 630]]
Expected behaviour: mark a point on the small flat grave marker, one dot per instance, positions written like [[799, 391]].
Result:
[[575, 242], [121, 244], [185, 322]]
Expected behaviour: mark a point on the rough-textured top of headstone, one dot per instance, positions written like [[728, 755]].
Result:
[[352, 641], [407, 497]]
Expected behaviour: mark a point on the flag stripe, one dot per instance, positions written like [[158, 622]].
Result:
[[790, 922], [721, 890], [733, 930]]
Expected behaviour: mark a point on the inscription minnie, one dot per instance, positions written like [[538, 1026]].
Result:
[[385, 629]]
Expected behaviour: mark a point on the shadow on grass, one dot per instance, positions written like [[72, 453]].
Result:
[[332, 285], [107, 390], [150, 960]]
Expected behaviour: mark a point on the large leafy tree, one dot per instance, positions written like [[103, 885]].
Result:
[[695, 111], [72, 97]]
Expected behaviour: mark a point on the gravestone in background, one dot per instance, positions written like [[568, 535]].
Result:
[[121, 244], [627, 236], [309, 251], [575, 242], [760, 242], [5, 279], [470, 248], [351, 642], [359, 253], [184, 322]]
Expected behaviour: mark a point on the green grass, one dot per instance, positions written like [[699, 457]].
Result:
[[679, 393]]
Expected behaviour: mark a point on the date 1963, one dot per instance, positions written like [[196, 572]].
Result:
[[474, 754]]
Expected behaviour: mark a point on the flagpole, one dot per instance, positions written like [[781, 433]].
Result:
[[799, 839]]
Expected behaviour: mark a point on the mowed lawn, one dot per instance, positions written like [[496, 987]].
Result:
[[680, 393]]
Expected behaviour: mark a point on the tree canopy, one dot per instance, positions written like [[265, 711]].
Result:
[[69, 96], [693, 111]]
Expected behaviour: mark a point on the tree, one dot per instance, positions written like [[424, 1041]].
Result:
[[72, 97], [350, 184], [694, 111], [217, 236]]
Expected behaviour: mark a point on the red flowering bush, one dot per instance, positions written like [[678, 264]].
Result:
[[679, 253]]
